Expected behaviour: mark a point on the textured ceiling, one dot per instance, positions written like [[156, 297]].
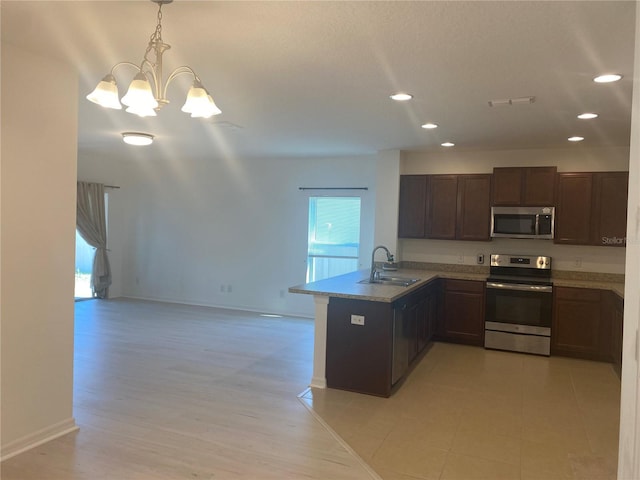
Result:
[[313, 78]]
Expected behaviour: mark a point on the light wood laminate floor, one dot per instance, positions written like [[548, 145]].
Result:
[[165, 391]]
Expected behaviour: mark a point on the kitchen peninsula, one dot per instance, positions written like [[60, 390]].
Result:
[[367, 336]]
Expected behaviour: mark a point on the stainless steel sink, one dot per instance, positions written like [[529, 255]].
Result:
[[390, 280]]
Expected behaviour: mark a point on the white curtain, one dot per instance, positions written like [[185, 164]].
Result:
[[92, 226]]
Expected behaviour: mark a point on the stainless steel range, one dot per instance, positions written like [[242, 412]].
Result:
[[518, 304]]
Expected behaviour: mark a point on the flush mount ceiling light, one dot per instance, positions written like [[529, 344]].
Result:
[[430, 126], [608, 78], [143, 98], [587, 116], [575, 139], [137, 138], [401, 97], [447, 144]]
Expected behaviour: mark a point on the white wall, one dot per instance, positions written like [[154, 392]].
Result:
[[629, 444], [387, 198], [38, 191], [230, 233], [578, 159], [565, 257]]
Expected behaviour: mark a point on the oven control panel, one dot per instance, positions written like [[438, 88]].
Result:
[[520, 261]]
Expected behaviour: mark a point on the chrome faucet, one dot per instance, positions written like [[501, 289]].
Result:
[[374, 274]]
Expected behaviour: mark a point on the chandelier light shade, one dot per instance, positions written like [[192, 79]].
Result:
[[140, 96], [199, 103], [106, 93], [147, 92]]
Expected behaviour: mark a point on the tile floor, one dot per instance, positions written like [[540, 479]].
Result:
[[469, 413]]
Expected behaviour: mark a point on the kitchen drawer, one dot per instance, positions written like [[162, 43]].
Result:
[[578, 294], [471, 286]]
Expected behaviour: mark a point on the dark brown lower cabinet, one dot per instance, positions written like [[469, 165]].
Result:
[[617, 321], [359, 356], [421, 318], [373, 357], [579, 328], [427, 325], [462, 318]]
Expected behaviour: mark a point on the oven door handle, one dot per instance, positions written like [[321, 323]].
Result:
[[520, 288]]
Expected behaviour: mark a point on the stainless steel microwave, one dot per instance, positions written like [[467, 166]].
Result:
[[522, 222]]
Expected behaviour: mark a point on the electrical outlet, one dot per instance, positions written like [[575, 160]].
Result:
[[480, 259], [357, 319], [461, 258], [577, 263]]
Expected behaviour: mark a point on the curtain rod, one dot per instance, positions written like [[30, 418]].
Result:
[[333, 188], [111, 186]]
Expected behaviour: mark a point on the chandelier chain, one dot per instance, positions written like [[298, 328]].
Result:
[[156, 36]]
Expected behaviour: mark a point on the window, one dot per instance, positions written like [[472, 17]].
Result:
[[334, 236]]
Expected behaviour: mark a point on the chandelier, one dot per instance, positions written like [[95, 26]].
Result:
[[147, 91]]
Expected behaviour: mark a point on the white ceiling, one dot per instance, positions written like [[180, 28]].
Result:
[[313, 78]]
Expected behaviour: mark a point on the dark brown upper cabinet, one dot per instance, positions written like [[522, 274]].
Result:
[[524, 186], [412, 217], [592, 208], [474, 211], [443, 206], [573, 208], [610, 191], [448, 207]]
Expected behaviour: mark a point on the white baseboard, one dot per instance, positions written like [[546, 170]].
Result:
[[37, 438], [318, 382], [242, 308]]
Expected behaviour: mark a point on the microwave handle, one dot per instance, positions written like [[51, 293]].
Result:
[[537, 224]]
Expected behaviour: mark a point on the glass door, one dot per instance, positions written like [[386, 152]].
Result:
[[84, 264]]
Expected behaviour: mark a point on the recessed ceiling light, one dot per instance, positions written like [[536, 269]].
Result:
[[447, 144], [587, 116], [575, 139], [401, 97], [136, 138], [608, 78], [430, 125]]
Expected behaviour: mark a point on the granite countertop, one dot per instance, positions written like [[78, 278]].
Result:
[[616, 287], [347, 286]]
